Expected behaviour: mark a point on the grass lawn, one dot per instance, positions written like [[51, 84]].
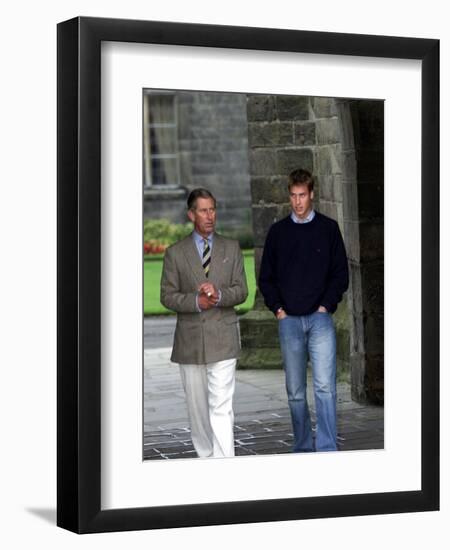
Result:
[[152, 279]]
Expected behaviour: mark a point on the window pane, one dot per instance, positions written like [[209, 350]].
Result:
[[164, 171], [163, 140], [161, 109]]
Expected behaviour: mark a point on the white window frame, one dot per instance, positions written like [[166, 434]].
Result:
[[147, 156]]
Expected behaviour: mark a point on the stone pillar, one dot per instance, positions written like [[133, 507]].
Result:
[[363, 185], [280, 137], [328, 199]]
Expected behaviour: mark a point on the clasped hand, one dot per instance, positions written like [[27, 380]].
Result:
[[208, 296]]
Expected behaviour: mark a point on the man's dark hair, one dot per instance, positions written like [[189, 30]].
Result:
[[195, 194], [301, 177]]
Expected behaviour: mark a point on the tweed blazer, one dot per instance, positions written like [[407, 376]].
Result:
[[213, 334]]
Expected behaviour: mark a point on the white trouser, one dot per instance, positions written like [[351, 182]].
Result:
[[209, 393]]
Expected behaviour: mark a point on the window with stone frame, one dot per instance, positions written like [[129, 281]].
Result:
[[161, 162]]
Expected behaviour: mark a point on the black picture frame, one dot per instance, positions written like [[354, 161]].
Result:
[[79, 275]]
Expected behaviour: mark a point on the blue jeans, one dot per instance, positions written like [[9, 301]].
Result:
[[314, 335]]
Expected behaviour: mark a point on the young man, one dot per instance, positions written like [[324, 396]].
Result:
[[203, 278], [304, 273]]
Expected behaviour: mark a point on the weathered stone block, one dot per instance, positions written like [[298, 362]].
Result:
[[270, 134], [290, 159], [328, 160], [203, 168], [205, 157], [261, 334], [212, 182], [356, 293], [351, 237], [205, 117], [345, 124], [261, 108], [258, 185], [325, 184], [284, 134], [205, 98], [205, 145], [190, 145], [263, 218], [263, 162], [186, 98], [158, 206], [269, 190], [327, 131], [329, 209], [235, 160], [323, 107], [259, 340], [292, 107], [304, 133], [204, 134], [349, 166], [237, 131], [230, 115], [350, 199], [235, 144], [257, 358], [258, 135], [338, 189]]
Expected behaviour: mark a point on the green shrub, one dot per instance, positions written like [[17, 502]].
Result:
[[164, 232]]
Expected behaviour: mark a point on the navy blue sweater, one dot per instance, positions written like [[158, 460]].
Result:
[[304, 265]]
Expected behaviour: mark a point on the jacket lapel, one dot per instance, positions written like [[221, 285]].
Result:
[[191, 254], [217, 257]]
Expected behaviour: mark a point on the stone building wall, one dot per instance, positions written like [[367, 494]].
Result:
[[213, 153]]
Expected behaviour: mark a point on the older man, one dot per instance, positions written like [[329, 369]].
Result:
[[203, 278], [304, 273]]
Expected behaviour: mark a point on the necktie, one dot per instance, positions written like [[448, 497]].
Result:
[[206, 260]]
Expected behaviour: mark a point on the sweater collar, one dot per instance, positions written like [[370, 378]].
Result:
[[309, 217]]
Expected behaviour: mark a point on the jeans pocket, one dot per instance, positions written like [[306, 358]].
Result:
[[283, 320]]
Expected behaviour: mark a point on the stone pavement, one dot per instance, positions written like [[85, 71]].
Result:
[[262, 421]]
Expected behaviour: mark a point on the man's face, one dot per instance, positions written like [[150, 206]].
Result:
[[203, 216], [301, 200]]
